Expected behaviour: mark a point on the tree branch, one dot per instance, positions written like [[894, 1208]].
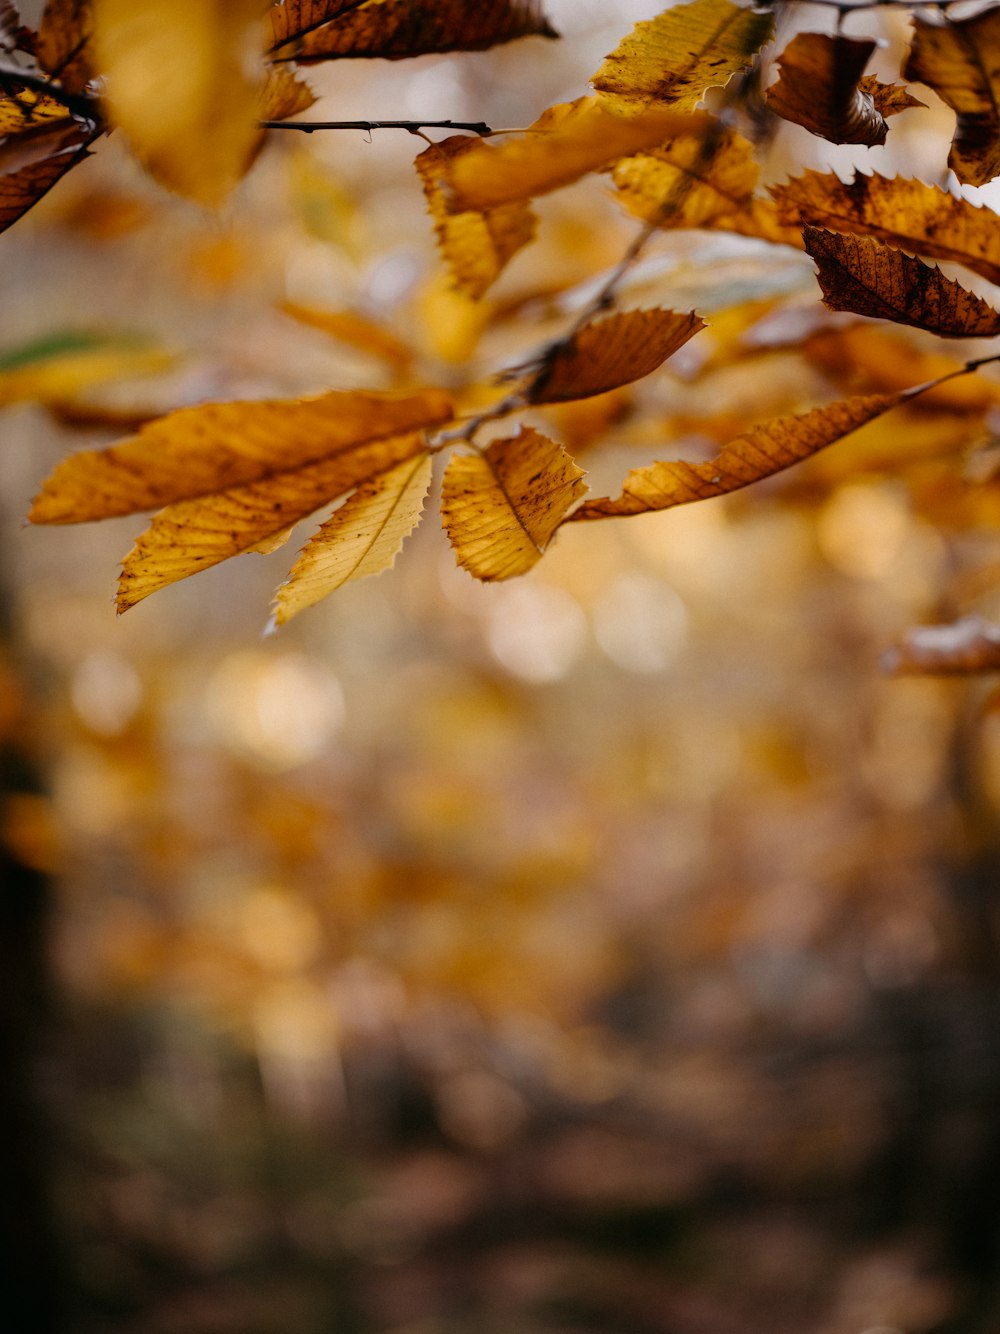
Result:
[[411, 126]]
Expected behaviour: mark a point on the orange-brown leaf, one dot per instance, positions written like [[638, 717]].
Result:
[[965, 647], [502, 507], [674, 58], [476, 245], [203, 450], [397, 29], [566, 142], [357, 331], [889, 98], [39, 142], [868, 278], [62, 44], [613, 351], [818, 89], [960, 60], [293, 18], [905, 213], [764, 450], [284, 94]]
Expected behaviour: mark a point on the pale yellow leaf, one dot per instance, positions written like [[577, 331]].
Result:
[[362, 538], [184, 85], [673, 58], [501, 507]]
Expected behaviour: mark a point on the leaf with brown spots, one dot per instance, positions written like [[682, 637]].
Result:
[[39, 142], [673, 59], [905, 213], [398, 29], [764, 450], [284, 94], [960, 60], [292, 19], [868, 278], [611, 352], [476, 245], [502, 507]]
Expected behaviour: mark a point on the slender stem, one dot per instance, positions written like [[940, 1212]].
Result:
[[411, 126]]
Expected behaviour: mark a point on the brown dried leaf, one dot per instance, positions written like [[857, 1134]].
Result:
[[764, 450], [672, 59], [194, 535], [567, 141], [293, 18], [398, 29], [872, 279], [613, 351], [502, 507], [39, 142], [62, 45], [906, 213], [203, 450], [818, 89], [965, 647], [476, 245], [889, 98], [180, 86], [362, 538], [961, 61]]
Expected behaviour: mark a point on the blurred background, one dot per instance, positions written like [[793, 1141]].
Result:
[[615, 950]]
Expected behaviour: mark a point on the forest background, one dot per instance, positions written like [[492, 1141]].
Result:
[[608, 949]]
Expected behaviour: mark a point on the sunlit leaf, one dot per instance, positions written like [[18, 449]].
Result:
[[868, 278], [292, 18], [396, 29], [357, 331], [566, 142], [967, 646], [284, 94], [613, 351], [55, 369], [905, 213], [765, 449], [960, 60], [62, 44], [475, 245], [501, 507], [818, 89], [202, 450], [182, 85], [194, 535], [674, 58], [363, 537]]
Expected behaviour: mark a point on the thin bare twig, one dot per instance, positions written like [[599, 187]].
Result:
[[411, 126]]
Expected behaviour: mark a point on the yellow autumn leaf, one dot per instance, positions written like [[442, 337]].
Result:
[[818, 88], [59, 376], [182, 84], [501, 507], [566, 142], [362, 538], [475, 245], [357, 331], [905, 213], [960, 60], [284, 94], [194, 535], [674, 58], [613, 351], [398, 29], [868, 278], [208, 449], [762, 451]]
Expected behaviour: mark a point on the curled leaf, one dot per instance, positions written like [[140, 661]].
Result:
[[502, 507], [611, 352], [818, 88], [362, 538], [872, 279], [967, 646], [672, 59]]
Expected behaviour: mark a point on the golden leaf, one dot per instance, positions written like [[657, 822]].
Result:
[[906, 213], [292, 18], [674, 58], [613, 351], [678, 185], [362, 538], [284, 94], [566, 142], [55, 371], [868, 278], [960, 60], [355, 330], [818, 89], [181, 85], [397, 29], [203, 450], [194, 535], [475, 245], [966, 646], [764, 450], [501, 507], [61, 46]]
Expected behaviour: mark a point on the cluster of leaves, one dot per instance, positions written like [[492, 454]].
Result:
[[236, 477]]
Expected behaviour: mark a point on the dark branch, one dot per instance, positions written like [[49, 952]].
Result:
[[79, 104], [411, 126]]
